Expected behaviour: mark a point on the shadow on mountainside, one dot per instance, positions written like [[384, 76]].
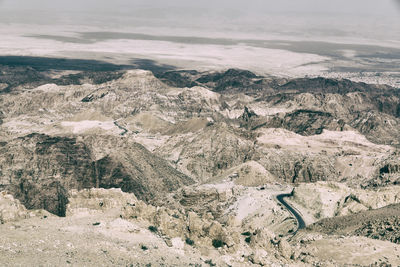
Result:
[[31, 72], [48, 63]]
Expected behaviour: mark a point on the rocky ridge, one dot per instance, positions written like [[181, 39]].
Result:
[[380, 224], [195, 129], [204, 154], [45, 168]]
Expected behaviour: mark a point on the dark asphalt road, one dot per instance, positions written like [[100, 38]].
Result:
[[300, 222], [122, 128]]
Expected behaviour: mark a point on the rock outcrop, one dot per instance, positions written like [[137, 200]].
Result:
[[39, 170], [380, 224], [11, 209]]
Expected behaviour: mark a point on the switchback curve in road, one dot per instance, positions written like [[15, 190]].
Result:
[[300, 221]]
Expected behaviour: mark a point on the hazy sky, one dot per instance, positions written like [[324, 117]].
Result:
[[355, 7], [358, 27], [363, 17]]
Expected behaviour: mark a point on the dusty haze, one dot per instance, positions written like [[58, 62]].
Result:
[[285, 38], [359, 17]]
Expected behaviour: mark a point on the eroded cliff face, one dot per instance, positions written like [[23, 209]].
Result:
[[319, 103], [39, 170]]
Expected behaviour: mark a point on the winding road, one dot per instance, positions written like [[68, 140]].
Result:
[[122, 128], [300, 221]]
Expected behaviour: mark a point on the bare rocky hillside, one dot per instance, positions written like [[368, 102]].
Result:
[[190, 163]]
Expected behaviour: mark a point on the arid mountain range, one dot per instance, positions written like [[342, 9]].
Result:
[[190, 163]]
